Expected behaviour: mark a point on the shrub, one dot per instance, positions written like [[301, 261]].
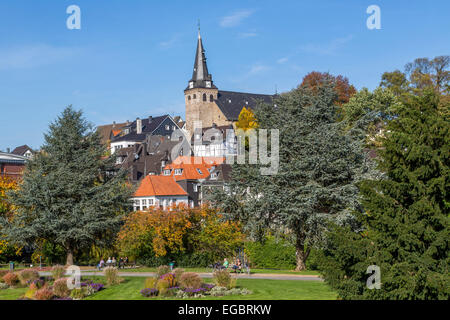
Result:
[[178, 273], [44, 294], [58, 272], [169, 277], [161, 270], [190, 280], [78, 294], [3, 286], [150, 283], [28, 275], [2, 274], [31, 292], [11, 279], [273, 253], [149, 292], [222, 278], [162, 286], [36, 284], [96, 286], [112, 275], [60, 288]]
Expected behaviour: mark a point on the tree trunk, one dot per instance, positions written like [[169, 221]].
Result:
[[301, 255], [69, 259]]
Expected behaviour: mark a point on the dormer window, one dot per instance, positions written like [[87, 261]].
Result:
[[208, 84], [178, 172], [191, 85], [167, 172], [199, 171]]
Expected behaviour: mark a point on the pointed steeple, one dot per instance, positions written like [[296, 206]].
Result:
[[200, 76]]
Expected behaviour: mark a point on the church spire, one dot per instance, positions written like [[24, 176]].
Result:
[[200, 76]]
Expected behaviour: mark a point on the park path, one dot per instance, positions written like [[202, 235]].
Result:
[[265, 276]]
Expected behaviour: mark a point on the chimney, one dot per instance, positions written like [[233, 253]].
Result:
[[138, 126], [128, 123], [8, 150], [114, 124], [150, 119]]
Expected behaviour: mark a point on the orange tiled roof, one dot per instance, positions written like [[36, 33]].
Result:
[[116, 132], [159, 186], [190, 166]]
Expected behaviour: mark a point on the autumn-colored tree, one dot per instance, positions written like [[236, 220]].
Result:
[[343, 88], [246, 120], [6, 210], [178, 230]]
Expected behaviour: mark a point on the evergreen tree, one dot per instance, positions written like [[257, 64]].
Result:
[[318, 170], [405, 219], [70, 194]]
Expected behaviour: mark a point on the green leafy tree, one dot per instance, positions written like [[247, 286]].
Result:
[[70, 195], [318, 171], [405, 221]]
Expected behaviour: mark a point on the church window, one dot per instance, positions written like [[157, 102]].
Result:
[[204, 97], [189, 97], [195, 96], [211, 98]]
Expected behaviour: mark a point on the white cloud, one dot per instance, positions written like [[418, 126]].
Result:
[[235, 18], [35, 56], [328, 48], [244, 35], [282, 60]]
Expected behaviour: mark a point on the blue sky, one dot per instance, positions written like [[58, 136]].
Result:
[[134, 58]]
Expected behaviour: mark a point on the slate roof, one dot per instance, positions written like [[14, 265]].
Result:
[[20, 151], [106, 130], [149, 125], [216, 131], [231, 103]]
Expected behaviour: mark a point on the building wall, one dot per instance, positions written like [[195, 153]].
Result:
[[205, 111], [164, 201], [14, 171]]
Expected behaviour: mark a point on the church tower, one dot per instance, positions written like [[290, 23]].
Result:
[[200, 93]]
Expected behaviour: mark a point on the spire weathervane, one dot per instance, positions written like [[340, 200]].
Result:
[[198, 25]]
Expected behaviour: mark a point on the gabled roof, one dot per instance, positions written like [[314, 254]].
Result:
[[231, 103], [214, 131], [149, 125], [159, 186], [21, 150], [105, 131], [193, 168]]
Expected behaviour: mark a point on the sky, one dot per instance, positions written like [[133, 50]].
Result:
[[134, 58]]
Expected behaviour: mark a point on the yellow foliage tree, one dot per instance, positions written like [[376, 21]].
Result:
[[6, 208], [246, 120]]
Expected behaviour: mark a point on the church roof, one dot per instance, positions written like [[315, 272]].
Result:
[[200, 73], [231, 103]]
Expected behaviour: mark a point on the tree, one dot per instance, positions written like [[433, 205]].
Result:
[[396, 81], [161, 233], [344, 90], [7, 211], [367, 113], [70, 194], [246, 120], [318, 170], [405, 220]]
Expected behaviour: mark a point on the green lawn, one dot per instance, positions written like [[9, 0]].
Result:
[[203, 270], [12, 294], [262, 289]]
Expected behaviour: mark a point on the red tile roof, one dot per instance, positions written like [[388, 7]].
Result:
[[191, 165], [159, 186]]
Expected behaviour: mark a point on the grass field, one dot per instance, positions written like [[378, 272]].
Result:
[[262, 289], [202, 270]]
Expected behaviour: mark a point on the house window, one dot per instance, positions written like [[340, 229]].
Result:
[[167, 127], [195, 187], [150, 202], [144, 202], [178, 172]]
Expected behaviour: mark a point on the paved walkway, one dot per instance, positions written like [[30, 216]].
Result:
[[266, 276]]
